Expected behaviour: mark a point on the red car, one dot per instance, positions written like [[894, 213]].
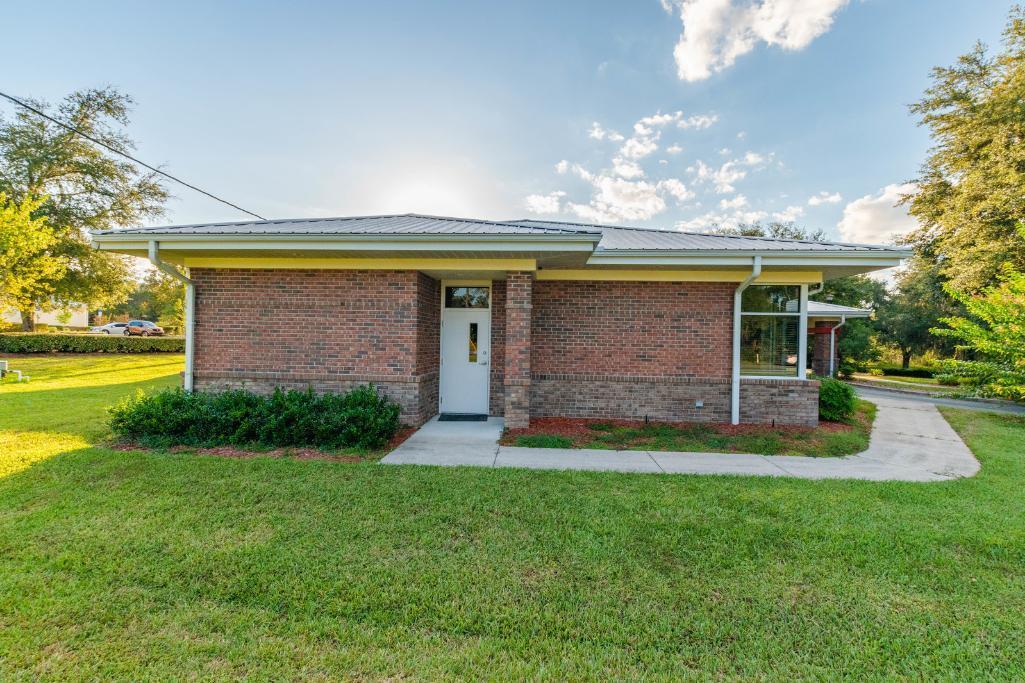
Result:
[[143, 328]]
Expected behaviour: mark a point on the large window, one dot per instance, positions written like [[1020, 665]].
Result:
[[770, 330]]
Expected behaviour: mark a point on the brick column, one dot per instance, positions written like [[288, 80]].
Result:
[[518, 296], [820, 357]]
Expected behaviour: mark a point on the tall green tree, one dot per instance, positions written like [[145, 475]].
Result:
[[994, 330], [971, 188], [917, 304], [86, 187], [27, 269]]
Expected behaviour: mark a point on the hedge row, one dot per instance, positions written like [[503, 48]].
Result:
[[88, 343], [360, 419]]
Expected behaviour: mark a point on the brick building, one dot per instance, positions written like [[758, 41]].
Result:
[[514, 318]]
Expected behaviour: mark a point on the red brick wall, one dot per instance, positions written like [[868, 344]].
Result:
[[497, 398], [330, 329], [641, 329], [518, 348]]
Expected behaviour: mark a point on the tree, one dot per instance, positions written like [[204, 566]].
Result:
[[27, 268], [85, 187], [859, 291], [971, 189], [906, 317], [995, 331], [775, 230], [160, 298]]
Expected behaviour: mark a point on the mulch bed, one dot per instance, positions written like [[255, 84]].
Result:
[[295, 453]]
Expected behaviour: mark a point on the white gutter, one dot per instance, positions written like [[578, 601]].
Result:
[[832, 344], [190, 307], [735, 383]]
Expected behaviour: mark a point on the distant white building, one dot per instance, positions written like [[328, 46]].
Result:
[[75, 316]]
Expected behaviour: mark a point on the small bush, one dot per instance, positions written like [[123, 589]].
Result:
[[876, 372], [87, 343], [947, 380], [836, 400], [361, 419], [924, 373]]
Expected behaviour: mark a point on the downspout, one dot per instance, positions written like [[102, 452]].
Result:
[[832, 344], [190, 306], [756, 270]]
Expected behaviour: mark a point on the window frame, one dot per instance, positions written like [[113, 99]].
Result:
[[801, 372]]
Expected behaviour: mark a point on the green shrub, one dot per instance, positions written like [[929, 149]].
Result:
[[947, 380], [924, 373], [361, 419], [87, 343], [876, 372], [836, 400], [544, 441]]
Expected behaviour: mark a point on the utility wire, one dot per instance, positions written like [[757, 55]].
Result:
[[128, 156]]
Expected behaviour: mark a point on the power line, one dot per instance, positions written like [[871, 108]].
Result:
[[128, 156]]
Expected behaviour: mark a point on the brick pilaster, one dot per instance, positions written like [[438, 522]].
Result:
[[820, 353], [518, 302]]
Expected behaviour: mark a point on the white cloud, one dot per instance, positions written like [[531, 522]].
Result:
[[562, 167], [674, 149], [724, 177], [698, 121], [717, 32], [737, 202], [599, 133], [638, 147], [545, 203], [789, 214], [876, 219], [626, 169], [711, 220], [675, 188], [824, 198]]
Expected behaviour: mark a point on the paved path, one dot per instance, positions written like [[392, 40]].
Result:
[[872, 393], [910, 442]]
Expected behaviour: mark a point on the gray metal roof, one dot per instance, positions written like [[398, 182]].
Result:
[[612, 238], [407, 224], [626, 238], [822, 309]]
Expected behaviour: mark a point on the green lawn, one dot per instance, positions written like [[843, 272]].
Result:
[[829, 439], [157, 566]]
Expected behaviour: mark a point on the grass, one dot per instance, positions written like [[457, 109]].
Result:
[[173, 566], [925, 384], [829, 439]]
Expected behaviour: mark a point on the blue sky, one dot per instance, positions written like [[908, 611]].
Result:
[[728, 111]]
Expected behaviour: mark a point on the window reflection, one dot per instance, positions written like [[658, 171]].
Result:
[[466, 297]]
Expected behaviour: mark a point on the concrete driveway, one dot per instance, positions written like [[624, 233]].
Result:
[[910, 442]]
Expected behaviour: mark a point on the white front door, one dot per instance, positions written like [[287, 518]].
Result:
[[465, 349]]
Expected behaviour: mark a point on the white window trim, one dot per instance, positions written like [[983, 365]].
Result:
[[800, 372]]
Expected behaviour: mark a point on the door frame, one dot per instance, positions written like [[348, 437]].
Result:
[[441, 337]]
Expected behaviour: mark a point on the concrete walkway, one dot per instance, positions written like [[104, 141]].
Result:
[[910, 442]]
